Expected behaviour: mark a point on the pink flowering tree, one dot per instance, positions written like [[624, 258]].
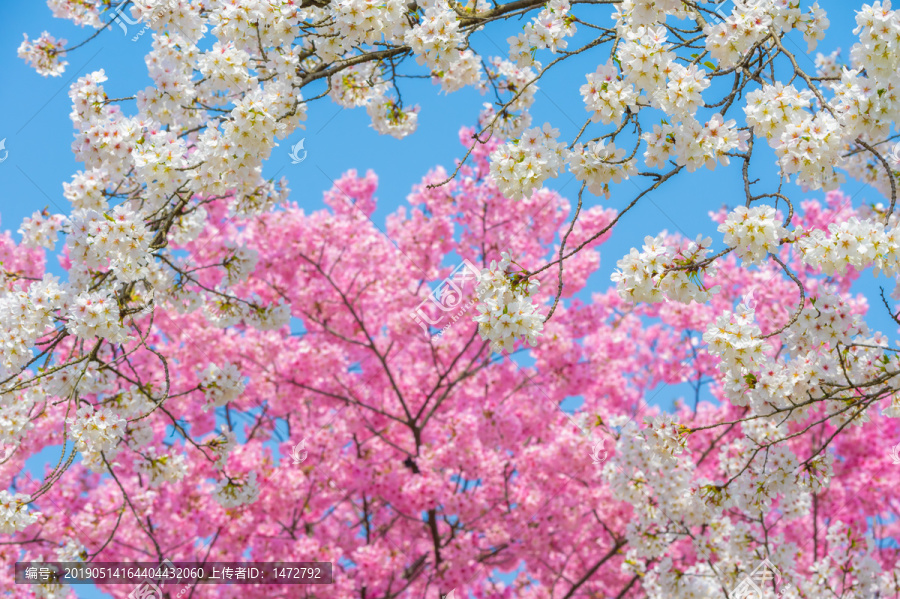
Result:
[[419, 463], [227, 377]]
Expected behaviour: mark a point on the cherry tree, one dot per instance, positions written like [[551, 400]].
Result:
[[208, 329]]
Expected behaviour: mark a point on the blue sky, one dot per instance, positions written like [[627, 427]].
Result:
[[38, 136]]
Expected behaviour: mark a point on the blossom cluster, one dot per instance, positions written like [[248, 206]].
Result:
[[598, 163], [859, 243], [41, 230], [506, 308], [159, 469], [693, 145], [607, 96], [231, 493], [391, 118], [16, 410], [753, 232], [24, 317], [14, 515], [44, 54], [96, 314], [663, 270], [521, 166], [96, 431], [547, 30], [119, 241], [736, 340], [221, 384], [436, 37], [239, 265]]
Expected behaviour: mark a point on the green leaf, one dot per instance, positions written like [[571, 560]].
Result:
[[109, 218], [709, 64], [751, 380]]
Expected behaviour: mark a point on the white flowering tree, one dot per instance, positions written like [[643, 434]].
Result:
[[675, 86]]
